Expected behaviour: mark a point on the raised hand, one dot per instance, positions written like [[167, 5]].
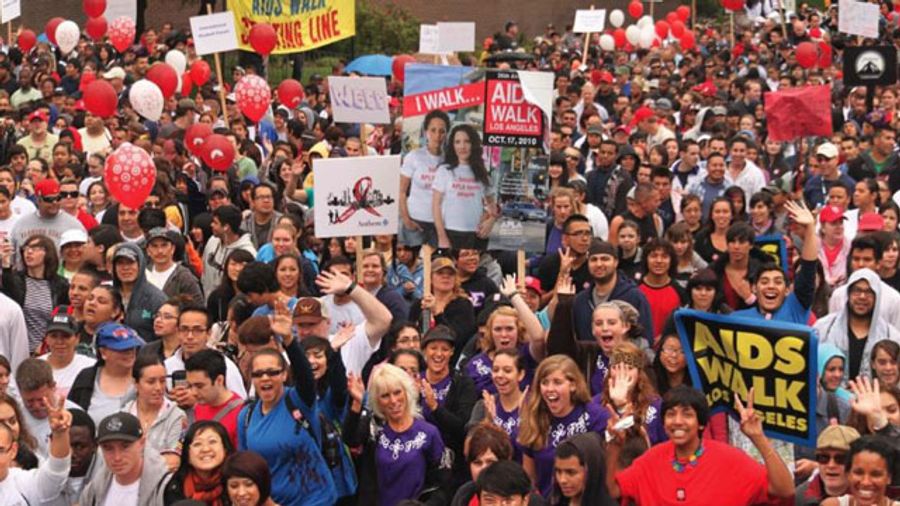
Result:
[[345, 333], [281, 322], [334, 283], [867, 397], [508, 287], [59, 417], [355, 387], [800, 213], [428, 393], [751, 423], [490, 405], [620, 385], [566, 258], [564, 285]]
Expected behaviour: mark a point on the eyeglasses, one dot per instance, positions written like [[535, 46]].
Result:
[[152, 205], [867, 292], [50, 199], [165, 316], [409, 339], [825, 458], [68, 195], [580, 233], [266, 372], [822, 158], [192, 330], [34, 247], [672, 351]]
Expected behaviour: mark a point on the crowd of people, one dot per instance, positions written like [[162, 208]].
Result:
[[209, 348]]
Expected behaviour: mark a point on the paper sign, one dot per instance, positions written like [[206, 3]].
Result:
[[356, 196], [429, 39], [510, 119], [589, 20], [116, 9], [10, 10], [858, 18], [214, 33], [359, 99], [456, 37]]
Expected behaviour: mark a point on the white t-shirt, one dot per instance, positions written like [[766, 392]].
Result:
[[463, 203], [66, 376], [341, 313], [356, 352], [6, 225], [122, 495], [92, 145], [21, 206], [233, 379], [421, 167], [159, 278], [103, 404]]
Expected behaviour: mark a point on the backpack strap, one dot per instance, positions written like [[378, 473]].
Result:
[[232, 405], [251, 405], [300, 416]]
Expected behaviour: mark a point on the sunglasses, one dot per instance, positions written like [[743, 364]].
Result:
[[68, 195], [824, 458], [50, 199], [266, 372]]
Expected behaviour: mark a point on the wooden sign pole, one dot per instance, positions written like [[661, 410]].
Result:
[[651, 7], [218, 62], [426, 268], [359, 258], [520, 269], [587, 42], [693, 14]]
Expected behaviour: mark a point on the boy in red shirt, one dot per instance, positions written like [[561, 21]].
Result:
[[206, 377]]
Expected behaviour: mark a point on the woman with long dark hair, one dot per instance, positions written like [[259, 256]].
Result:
[[711, 241], [416, 178], [199, 477], [217, 304], [462, 204]]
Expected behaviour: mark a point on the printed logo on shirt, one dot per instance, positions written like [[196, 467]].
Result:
[[477, 298], [481, 368], [561, 431], [398, 445], [509, 425]]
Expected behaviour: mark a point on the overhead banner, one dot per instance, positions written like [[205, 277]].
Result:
[[356, 196], [727, 355], [774, 246], [299, 25]]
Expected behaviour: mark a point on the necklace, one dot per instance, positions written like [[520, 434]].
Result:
[[680, 466]]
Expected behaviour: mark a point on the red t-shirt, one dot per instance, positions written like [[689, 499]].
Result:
[[723, 475], [206, 412], [663, 302]]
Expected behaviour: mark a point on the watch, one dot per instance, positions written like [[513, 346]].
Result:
[[350, 288]]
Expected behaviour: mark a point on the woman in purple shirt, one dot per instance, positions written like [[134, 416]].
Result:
[[560, 407], [502, 409], [629, 391], [403, 455]]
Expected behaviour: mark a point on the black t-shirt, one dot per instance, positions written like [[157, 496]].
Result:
[[857, 346], [548, 271]]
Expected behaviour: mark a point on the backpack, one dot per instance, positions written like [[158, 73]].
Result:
[[329, 440]]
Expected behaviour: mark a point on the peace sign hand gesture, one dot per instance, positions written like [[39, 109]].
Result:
[[751, 423], [59, 417]]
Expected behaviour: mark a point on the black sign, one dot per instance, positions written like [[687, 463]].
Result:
[[870, 66]]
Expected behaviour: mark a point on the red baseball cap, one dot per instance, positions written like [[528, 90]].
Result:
[[41, 115], [830, 214], [643, 113], [870, 222], [534, 283], [46, 187]]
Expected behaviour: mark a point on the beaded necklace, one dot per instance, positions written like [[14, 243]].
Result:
[[680, 466]]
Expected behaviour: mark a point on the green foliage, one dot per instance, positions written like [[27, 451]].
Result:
[[381, 28]]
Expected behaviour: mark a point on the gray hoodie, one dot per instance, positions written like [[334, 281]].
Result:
[[154, 478], [833, 328], [145, 298]]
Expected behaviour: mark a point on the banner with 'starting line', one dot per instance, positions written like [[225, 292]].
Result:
[[727, 355], [300, 25]]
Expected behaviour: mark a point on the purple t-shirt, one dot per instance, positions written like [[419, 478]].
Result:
[[583, 418], [402, 459], [480, 366], [653, 422], [441, 388], [509, 422], [601, 368]]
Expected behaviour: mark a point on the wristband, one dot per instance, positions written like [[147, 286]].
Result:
[[350, 288]]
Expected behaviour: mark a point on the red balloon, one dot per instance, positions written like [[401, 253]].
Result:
[[687, 40], [677, 29], [94, 8], [200, 72], [290, 93], [807, 54], [398, 66], [683, 12], [662, 29], [263, 38], [96, 28], [824, 55], [50, 28], [253, 97], [218, 152], [733, 5], [635, 9], [130, 174], [27, 40], [186, 84], [164, 76], [619, 37], [194, 137], [671, 17], [100, 98], [87, 77], [121, 33], [815, 33]]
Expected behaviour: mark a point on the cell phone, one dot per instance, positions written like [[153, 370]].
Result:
[[179, 379]]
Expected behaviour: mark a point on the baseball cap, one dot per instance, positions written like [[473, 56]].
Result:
[[75, 235], [601, 247], [40, 115], [188, 104], [120, 426], [46, 187], [442, 263], [642, 114], [62, 319], [870, 222], [719, 111], [663, 103], [831, 214], [533, 283], [837, 437], [309, 310], [118, 337], [595, 130], [439, 333], [827, 150], [218, 191], [605, 77], [114, 73], [158, 233], [126, 253]]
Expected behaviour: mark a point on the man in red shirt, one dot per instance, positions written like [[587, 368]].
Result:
[[206, 377], [688, 470]]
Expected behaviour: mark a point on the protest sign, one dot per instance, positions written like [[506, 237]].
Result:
[[509, 118], [798, 112], [773, 245], [455, 37], [858, 18], [214, 33], [116, 9], [300, 26], [10, 10], [359, 99], [589, 21], [729, 355], [356, 196], [870, 66], [429, 39]]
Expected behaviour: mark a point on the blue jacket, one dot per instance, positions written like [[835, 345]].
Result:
[[624, 290]]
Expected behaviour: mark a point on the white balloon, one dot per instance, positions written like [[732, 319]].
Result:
[[147, 99], [607, 42], [177, 61], [645, 22], [616, 18], [648, 35], [633, 34], [67, 35]]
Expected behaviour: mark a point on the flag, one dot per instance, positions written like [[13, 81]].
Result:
[[797, 112]]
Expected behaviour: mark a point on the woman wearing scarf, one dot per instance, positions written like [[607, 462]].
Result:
[[199, 477]]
